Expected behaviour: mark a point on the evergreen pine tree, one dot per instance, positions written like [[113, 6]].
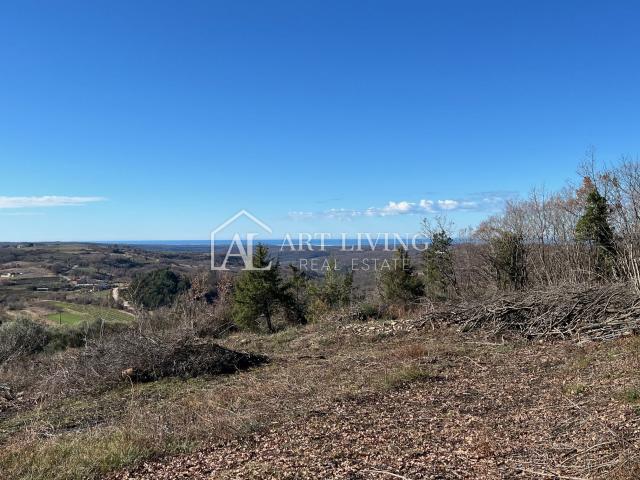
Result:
[[259, 293], [594, 228], [399, 284], [439, 274]]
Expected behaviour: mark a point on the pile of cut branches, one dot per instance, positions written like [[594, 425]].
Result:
[[132, 356], [148, 359], [578, 312]]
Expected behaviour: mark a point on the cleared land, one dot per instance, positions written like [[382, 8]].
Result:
[[360, 400]]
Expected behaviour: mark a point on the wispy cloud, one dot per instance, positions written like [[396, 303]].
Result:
[[21, 214], [487, 201], [301, 215], [46, 201]]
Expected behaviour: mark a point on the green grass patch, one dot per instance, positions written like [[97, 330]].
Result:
[[85, 438], [575, 389], [631, 395], [89, 455], [66, 317], [72, 314], [405, 376]]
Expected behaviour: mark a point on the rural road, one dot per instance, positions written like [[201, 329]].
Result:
[[115, 293]]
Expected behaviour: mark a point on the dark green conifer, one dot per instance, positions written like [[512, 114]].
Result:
[[399, 284], [439, 274], [259, 293]]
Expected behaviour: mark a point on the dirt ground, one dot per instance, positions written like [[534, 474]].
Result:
[[462, 407]]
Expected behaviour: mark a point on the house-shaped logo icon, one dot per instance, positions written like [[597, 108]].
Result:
[[243, 246]]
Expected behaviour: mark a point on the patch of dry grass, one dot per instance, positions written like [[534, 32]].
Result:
[[318, 366], [311, 365]]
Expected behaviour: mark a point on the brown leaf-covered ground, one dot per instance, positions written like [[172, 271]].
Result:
[[436, 405]]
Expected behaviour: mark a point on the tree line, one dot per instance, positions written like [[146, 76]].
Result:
[[587, 232]]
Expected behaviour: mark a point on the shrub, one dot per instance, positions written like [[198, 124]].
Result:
[[13, 302], [333, 292], [206, 308], [22, 337], [368, 311], [78, 335], [336, 288]]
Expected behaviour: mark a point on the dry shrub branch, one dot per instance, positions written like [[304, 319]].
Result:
[[132, 356], [572, 311]]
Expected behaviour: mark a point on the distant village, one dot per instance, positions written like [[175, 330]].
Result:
[[45, 281]]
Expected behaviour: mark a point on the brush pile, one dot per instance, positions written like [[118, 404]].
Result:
[[185, 358], [577, 312], [134, 357]]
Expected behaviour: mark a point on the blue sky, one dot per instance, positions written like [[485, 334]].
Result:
[[159, 120]]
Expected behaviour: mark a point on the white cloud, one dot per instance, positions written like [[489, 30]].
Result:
[[404, 207], [300, 215], [394, 208], [427, 205], [448, 204], [341, 213], [46, 201], [22, 214]]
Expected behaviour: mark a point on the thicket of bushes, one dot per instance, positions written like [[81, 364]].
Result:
[[585, 233], [157, 288], [24, 336]]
